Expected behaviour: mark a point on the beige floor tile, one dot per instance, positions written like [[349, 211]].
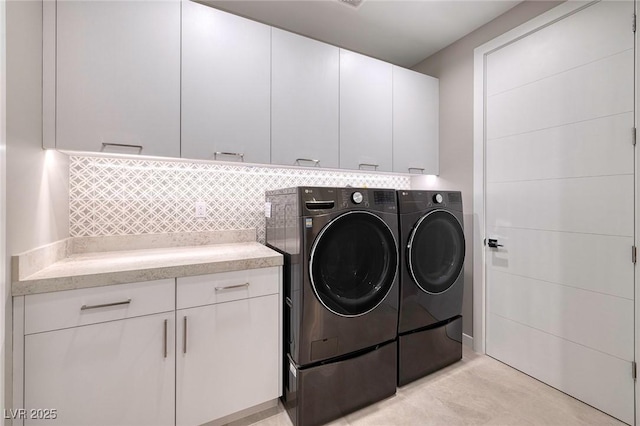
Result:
[[478, 390]]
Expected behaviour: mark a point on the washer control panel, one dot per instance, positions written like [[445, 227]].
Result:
[[355, 197], [383, 200]]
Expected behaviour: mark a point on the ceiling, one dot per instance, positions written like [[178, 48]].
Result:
[[403, 32]]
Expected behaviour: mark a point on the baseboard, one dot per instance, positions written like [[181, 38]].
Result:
[[467, 340]]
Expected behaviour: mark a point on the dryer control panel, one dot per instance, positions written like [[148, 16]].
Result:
[[413, 201]]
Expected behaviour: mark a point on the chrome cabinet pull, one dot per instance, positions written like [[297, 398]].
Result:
[[184, 336], [316, 163], [164, 349], [420, 169], [229, 287], [105, 305], [375, 166], [121, 145], [232, 154]]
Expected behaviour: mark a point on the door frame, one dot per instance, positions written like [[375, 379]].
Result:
[[479, 163]]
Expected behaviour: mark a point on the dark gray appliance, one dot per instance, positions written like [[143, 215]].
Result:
[[340, 297], [431, 282]]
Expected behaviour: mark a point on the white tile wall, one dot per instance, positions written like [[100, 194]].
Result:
[[114, 196]]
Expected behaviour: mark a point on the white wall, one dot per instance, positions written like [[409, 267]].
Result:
[[453, 65], [37, 196], [3, 176]]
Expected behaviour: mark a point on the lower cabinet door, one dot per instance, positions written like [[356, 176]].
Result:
[[227, 358], [113, 373]]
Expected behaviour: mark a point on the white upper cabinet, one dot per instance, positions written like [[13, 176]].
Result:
[[415, 122], [226, 86], [304, 114], [365, 112], [176, 78], [118, 76]]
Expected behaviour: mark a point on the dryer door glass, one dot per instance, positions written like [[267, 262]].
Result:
[[353, 263], [436, 251]]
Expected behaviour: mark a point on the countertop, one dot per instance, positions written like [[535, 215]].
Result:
[[67, 270]]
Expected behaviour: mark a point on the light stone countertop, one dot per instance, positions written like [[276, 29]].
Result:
[[100, 268]]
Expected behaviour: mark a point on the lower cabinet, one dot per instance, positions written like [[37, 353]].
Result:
[[165, 352], [112, 373], [227, 358]]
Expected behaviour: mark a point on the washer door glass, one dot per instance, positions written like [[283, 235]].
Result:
[[353, 263], [436, 251]]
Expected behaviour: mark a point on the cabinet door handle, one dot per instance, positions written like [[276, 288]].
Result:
[[105, 305], [229, 287], [232, 154], [164, 347], [375, 166], [184, 336], [420, 169], [316, 163], [122, 145]]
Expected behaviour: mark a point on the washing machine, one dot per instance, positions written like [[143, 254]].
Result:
[[431, 282], [341, 295]]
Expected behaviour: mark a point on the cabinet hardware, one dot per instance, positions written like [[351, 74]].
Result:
[[231, 154], [375, 166], [316, 163], [105, 305], [420, 169], [184, 336], [164, 348], [229, 287], [121, 145]]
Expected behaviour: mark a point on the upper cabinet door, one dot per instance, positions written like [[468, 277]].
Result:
[[415, 122], [226, 86], [365, 112], [305, 82], [118, 76]]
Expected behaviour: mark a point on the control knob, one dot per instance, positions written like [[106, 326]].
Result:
[[438, 199], [356, 197]]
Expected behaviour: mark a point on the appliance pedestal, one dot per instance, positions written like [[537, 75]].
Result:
[[323, 393], [424, 351]]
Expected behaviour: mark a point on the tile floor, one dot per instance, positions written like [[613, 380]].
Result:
[[475, 391]]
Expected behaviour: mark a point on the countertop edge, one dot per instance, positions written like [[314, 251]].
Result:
[[48, 285]]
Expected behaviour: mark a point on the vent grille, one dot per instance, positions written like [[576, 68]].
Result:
[[353, 3]]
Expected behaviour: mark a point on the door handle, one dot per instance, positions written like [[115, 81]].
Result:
[[493, 243]]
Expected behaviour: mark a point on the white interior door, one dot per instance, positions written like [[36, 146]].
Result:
[[560, 200]]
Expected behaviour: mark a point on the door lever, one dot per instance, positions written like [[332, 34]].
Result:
[[493, 243]]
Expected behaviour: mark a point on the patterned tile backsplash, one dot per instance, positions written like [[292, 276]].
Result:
[[115, 196]]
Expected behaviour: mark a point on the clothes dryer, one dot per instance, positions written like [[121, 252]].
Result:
[[432, 281]]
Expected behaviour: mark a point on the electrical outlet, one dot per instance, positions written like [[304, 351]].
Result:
[[200, 209]]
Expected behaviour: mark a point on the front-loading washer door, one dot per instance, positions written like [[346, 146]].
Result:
[[435, 252], [353, 263]]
